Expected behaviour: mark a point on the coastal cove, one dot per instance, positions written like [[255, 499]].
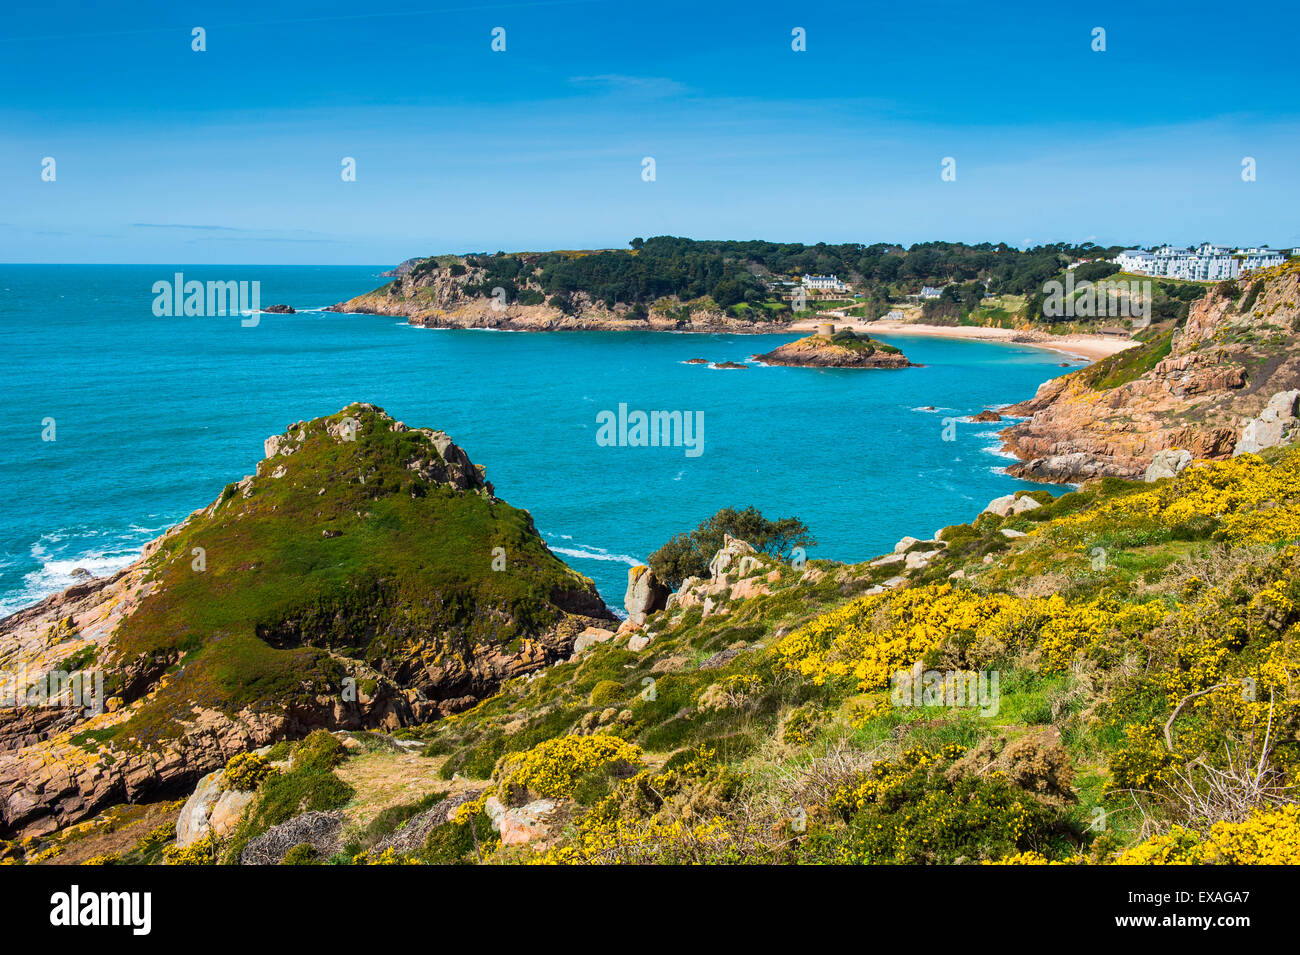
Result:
[[154, 415]]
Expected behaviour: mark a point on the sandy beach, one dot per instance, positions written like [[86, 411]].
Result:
[[1090, 347]]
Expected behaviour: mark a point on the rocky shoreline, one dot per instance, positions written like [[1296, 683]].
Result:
[[481, 314]]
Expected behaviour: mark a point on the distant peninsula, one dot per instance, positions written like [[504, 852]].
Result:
[[668, 283]]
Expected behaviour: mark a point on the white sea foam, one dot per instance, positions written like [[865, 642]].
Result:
[[55, 574], [597, 553]]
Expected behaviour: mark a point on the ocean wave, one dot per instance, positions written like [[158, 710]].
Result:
[[597, 553], [57, 553], [55, 574], [152, 532]]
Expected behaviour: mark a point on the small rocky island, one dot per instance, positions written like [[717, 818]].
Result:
[[831, 349]]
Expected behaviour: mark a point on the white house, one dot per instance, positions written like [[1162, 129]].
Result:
[[823, 283]]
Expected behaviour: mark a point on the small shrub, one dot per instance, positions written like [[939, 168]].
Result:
[[199, 852], [460, 841], [606, 692], [304, 854], [245, 772]]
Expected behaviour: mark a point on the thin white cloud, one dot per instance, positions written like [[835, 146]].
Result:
[[653, 86]]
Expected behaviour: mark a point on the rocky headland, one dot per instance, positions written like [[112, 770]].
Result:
[[453, 292], [1220, 384], [366, 576]]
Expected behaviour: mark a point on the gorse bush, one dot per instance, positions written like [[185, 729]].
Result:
[[246, 771], [555, 767], [199, 852], [1268, 838], [914, 809], [874, 637]]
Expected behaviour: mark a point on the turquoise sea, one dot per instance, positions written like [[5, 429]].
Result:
[[154, 416]]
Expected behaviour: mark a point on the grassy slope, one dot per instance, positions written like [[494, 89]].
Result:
[[1128, 365]]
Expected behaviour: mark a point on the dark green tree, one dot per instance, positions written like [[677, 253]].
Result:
[[688, 554]]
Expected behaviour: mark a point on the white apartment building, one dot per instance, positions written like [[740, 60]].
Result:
[[1260, 258], [1206, 263]]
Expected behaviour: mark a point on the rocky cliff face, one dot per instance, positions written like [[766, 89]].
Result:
[[447, 292], [1193, 388], [365, 576]]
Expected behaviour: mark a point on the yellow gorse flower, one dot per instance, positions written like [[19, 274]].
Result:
[[554, 767]]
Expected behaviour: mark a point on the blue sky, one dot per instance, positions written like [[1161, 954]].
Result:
[[233, 155]]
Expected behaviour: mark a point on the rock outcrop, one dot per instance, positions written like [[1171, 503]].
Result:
[[211, 810], [820, 351], [733, 549], [1167, 464], [645, 594], [736, 572], [1276, 425], [246, 624], [1192, 389], [520, 824], [1011, 504]]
